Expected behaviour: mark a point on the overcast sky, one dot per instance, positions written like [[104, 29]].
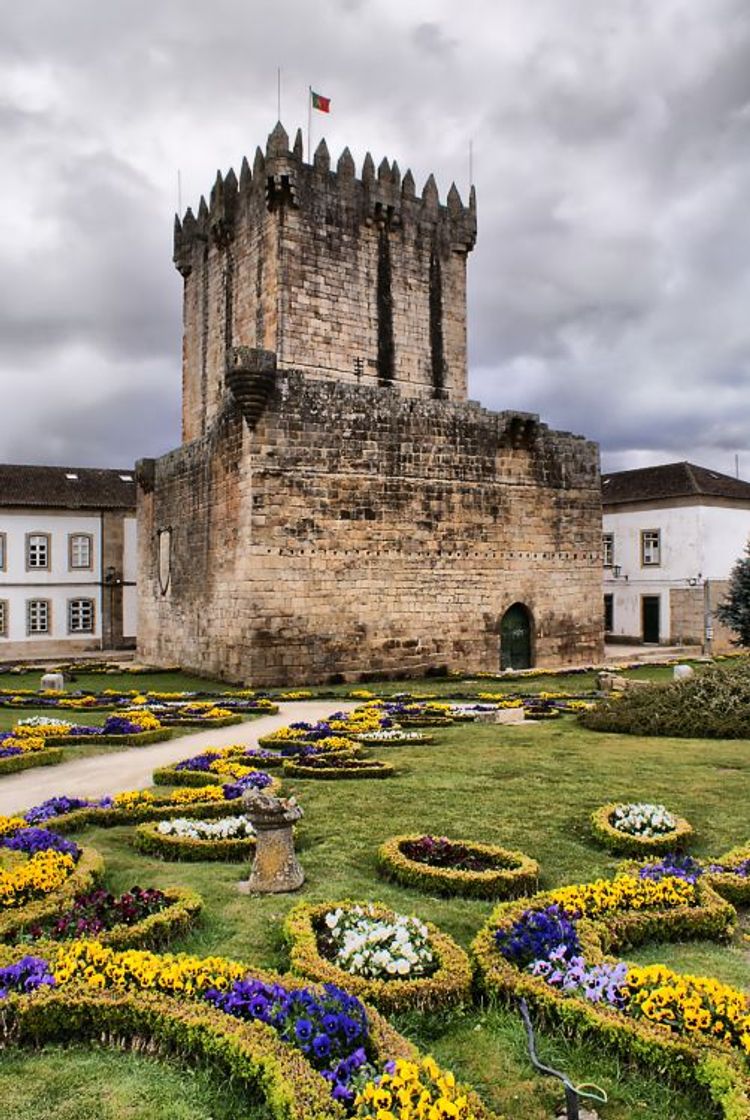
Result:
[[610, 286]]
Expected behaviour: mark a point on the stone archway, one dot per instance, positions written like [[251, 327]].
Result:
[[517, 638]]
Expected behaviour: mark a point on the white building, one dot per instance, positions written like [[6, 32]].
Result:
[[672, 535], [67, 561]]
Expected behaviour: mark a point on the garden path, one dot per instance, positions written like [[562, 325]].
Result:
[[131, 768]]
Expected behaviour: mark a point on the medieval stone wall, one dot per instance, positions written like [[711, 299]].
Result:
[[355, 531]]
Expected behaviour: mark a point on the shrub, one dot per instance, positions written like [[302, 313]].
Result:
[[150, 840], [448, 985], [505, 874], [335, 767], [626, 843], [714, 704]]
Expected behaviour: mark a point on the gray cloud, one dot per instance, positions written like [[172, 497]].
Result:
[[610, 283]]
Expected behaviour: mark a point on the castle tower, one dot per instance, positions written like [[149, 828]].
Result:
[[358, 280]]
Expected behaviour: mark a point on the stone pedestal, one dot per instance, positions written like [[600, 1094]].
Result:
[[275, 868]]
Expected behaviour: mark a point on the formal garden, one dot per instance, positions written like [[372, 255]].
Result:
[[588, 856]]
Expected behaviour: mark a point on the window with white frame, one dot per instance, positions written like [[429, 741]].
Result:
[[3, 552], [80, 549], [650, 548], [80, 616], [3, 618], [37, 616], [608, 549], [37, 550]]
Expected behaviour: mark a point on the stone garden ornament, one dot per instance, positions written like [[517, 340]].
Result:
[[275, 868]]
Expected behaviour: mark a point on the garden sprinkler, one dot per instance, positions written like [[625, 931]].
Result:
[[573, 1093]]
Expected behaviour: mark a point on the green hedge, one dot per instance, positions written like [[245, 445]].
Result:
[[171, 776], [733, 888], [720, 1073], [150, 841], [517, 875], [136, 740], [714, 704], [448, 986], [626, 844], [359, 768], [17, 762], [207, 724], [250, 1053], [112, 818], [152, 932], [87, 872]]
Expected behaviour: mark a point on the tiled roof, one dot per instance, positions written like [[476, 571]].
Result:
[[66, 487], [671, 480]]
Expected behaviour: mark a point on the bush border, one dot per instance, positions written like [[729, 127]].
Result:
[[29, 759], [152, 932], [86, 874], [171, 776], [622, 842], [149, 841], [448, 986], [374, 769], [731, 887], [713, 1068], [137, 739], [427, 741], [509, 882]]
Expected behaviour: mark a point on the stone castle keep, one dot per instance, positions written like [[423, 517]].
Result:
[[338, 508]]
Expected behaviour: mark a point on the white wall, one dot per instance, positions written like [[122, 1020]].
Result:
[[130, 574], [698, 542], [58, 583]]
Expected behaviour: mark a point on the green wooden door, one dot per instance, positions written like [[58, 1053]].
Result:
[[651, 628], [515, 638]]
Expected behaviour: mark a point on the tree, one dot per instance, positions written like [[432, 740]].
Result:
[[734, 611]]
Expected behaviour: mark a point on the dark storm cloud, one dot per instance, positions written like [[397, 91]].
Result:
[[610, 284]]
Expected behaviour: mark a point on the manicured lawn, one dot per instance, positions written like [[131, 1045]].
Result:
[[97, 682], [79, 1084], [530, 787]]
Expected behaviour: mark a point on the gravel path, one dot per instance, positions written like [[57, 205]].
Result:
[[131, 768]]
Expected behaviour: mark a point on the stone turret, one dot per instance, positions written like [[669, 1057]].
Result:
[[341, 277]]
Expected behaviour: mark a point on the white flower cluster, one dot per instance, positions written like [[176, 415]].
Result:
[[379, 948], [392, 735], [44, 721], [643, 819], [227, 828]]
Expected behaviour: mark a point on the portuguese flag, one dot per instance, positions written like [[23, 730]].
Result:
[[321, 103]]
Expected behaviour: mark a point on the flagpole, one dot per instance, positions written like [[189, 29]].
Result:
[[179, 193], [471, 163], [278, 93], [309, 121]]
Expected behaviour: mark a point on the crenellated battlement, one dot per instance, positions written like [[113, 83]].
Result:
[[346, 278], [281, 178]]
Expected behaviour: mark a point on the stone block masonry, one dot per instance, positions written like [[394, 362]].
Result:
[[338, 509], [356, 532]]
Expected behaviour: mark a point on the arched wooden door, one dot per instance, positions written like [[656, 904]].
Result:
[[516, 638]]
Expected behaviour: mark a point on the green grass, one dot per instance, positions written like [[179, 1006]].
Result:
[[531, 787], [434, 686], [84, 1084]]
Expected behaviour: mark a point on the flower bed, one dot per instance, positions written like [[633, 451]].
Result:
[[12, 761], [81, 875], [335, 767], [551, 951], [201, 769], [185, 839], [631, 843], [138, 919], [457, 867], [447, 985], [394, 737], [729, 875], [308, 1048], [133, 806]]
